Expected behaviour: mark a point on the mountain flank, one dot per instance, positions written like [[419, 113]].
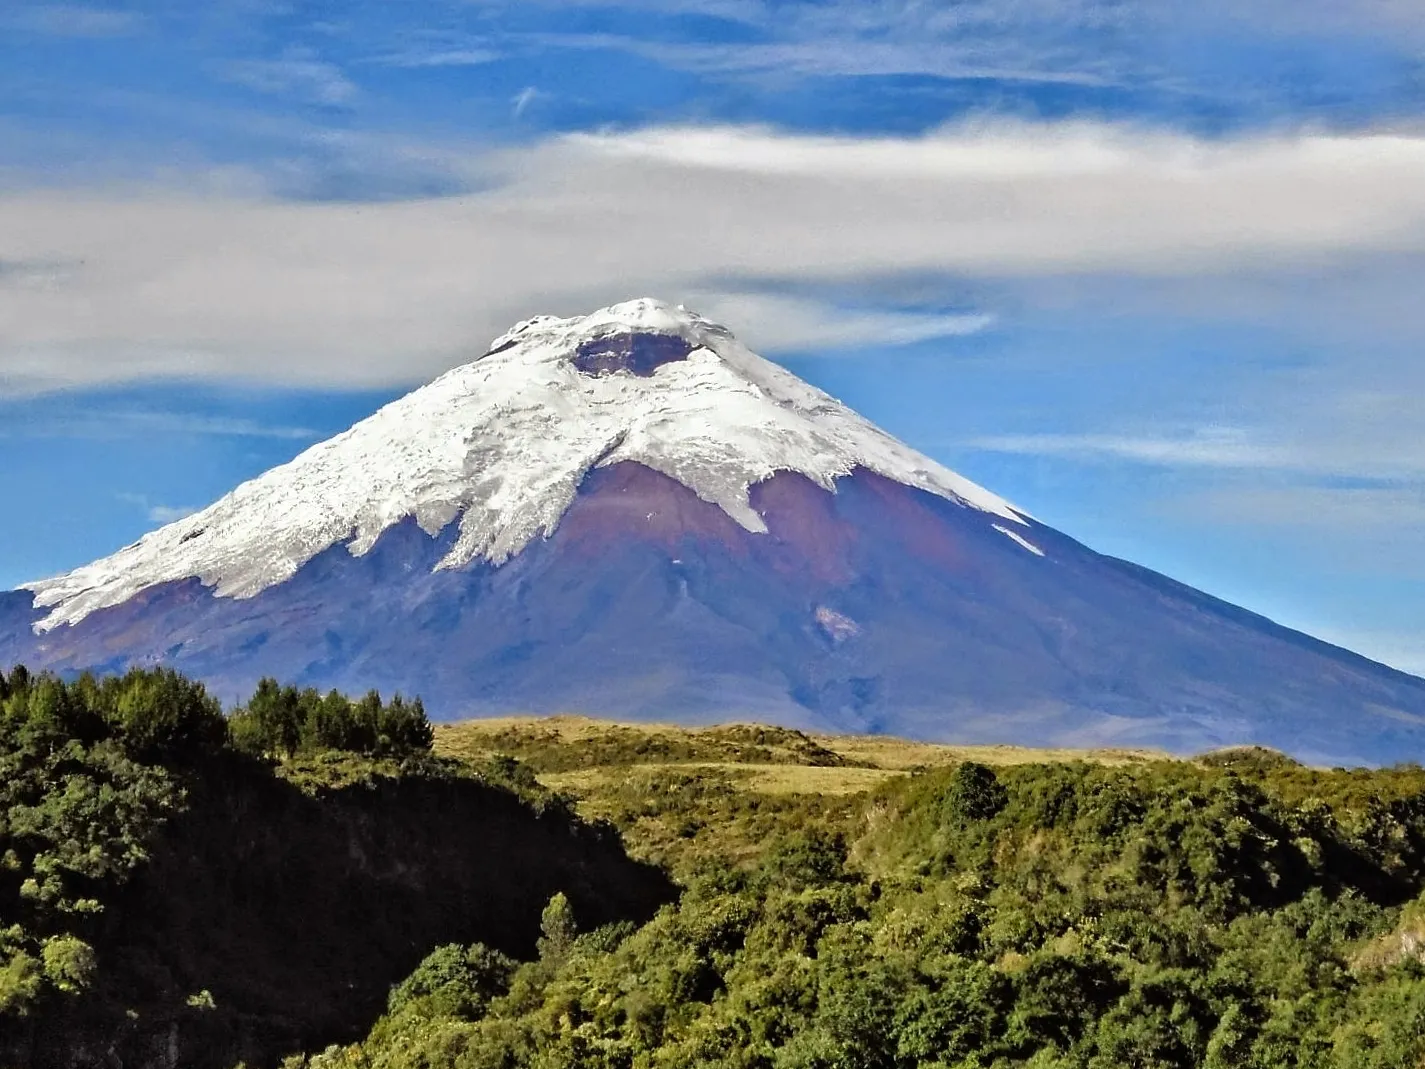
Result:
[[629, 514]]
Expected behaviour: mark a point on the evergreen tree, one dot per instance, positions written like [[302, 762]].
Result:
[[162, 715], [278, 716], [19, 679], [558, 928]]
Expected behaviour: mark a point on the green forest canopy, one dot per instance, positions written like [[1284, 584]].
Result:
[[90, 770], [1239, 910]]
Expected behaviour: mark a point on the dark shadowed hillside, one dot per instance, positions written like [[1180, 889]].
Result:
[[213, 910]]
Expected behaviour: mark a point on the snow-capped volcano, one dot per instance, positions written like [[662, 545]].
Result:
[[629, 513], [500, 446]]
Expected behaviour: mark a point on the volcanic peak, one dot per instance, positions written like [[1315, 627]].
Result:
[[501, 446]]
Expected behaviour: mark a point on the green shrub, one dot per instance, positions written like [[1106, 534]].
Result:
[[454, 981], [974, 793]]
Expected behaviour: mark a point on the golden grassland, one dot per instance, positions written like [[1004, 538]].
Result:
[[884, 751], [580, 755], [761, 779]]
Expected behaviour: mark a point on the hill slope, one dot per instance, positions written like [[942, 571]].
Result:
[[1045, 913]]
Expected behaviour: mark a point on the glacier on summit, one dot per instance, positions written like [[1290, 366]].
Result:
[[501, 445]]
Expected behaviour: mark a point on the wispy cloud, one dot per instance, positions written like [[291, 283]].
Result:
[[523, 99], [220, 426], [1027, 41], [299, 73], [36, 274], [72, 20], [1372, 512], [156, 513], [1317, 429], [1129, 43], [779, 323], [139, 423], [1212, 447], [390, 293], [415, 58], [169, 513], [841, 56]]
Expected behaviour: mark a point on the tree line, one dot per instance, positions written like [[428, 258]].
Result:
[[284, 721], [160, 715]]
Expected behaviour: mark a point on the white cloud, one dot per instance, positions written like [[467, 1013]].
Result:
[[217, 426], [298, 73], [134, 423], [1213, 447], [210, 286], [156, 513], [417, 58], [523, 99], [777, 323], [839, 55], [169, 513]]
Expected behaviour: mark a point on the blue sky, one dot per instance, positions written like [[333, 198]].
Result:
[[1151, 270]]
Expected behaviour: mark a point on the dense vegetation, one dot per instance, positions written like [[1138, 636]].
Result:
[[181, 888], [169, 894], [1241, 911]]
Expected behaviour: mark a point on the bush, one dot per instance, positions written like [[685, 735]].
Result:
[[453, 981], [974, 793], [69, 963]]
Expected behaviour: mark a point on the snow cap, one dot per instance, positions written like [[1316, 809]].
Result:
[[500, 446]]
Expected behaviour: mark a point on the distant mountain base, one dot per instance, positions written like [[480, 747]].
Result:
[[877, 608]]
